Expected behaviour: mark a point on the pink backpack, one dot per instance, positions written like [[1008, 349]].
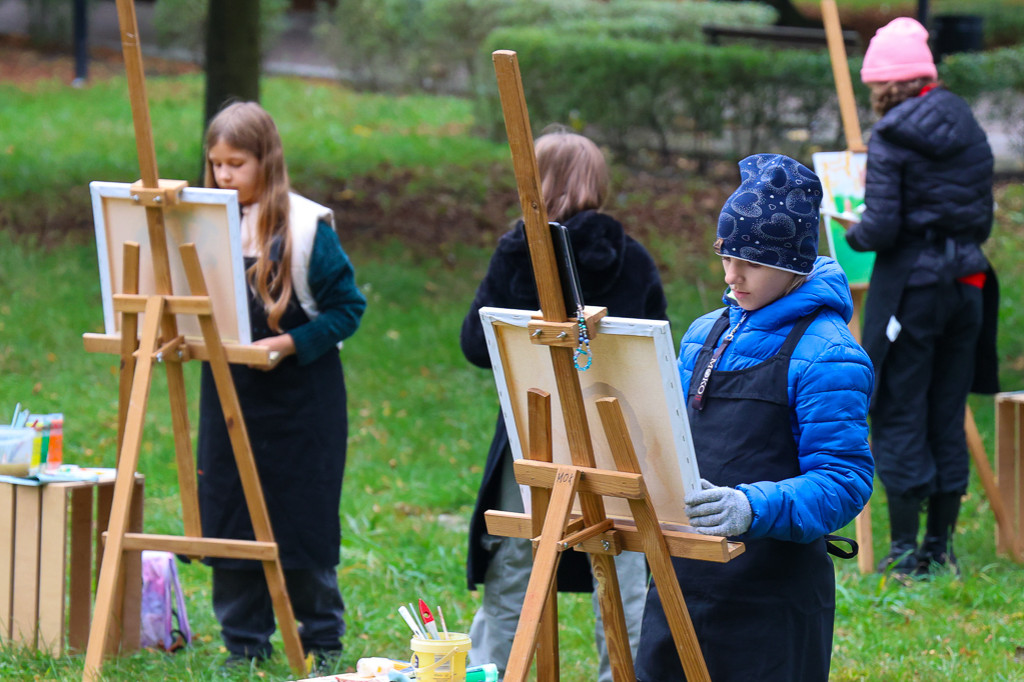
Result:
[[162, 626]]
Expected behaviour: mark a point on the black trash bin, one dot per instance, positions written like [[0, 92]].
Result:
[[956, 33]]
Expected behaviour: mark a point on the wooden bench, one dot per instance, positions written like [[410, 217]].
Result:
[[783, 36]]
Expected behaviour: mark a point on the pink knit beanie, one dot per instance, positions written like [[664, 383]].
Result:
[[898, 52]]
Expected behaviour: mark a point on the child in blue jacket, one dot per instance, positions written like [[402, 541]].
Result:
[[777, 402]]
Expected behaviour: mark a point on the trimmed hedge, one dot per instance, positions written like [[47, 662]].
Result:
[[705, 101], [685, 97], [1002, 21], [435, 43]]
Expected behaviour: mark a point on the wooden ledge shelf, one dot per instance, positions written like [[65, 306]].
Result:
[[565, 333], [624, 534]]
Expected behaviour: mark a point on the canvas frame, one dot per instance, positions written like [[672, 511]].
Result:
[[632, 358], [207, 217], [842, 183]]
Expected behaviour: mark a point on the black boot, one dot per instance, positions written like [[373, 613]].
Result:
[[937, 547], [904, 520]]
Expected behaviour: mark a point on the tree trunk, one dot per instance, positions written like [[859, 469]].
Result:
[[232, 54]]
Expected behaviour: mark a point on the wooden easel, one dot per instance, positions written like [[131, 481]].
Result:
[[855, 143], [160, 342], [554, 488]]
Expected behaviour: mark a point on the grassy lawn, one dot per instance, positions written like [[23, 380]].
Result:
[[420, 416]]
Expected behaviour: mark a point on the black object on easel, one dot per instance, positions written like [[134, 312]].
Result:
[[569, 276]]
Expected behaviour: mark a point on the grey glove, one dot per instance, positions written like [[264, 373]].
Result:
[[717, 510]]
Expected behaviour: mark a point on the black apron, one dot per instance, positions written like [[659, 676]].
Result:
[[768, 614], [298, 427]]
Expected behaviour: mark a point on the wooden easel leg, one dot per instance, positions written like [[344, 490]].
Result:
[[865, 540], [188, 486], [862, 524], [110, 573], [131, 580], [655, 547], [129, 338], [545, 564], [988, 481], [246, 464], [616, 638], [539, 424]]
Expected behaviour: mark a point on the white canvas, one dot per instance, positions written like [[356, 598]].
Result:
[[210, 219], [635, 362]]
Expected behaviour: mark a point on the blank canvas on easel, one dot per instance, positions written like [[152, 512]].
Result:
[[634, 361], [208, 218]]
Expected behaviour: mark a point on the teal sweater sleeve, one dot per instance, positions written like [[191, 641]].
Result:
[[332, 282]]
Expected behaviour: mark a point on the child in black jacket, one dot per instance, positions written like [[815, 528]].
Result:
[[928, 210], [615, 271]]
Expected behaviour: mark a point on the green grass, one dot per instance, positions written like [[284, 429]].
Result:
[[421, 417], [329, 134]]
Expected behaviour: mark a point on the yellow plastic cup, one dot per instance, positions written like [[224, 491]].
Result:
[[440, 660]]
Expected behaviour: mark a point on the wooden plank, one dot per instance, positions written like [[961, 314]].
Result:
[[6, 558], [988, 481], [80, 568], [684, 544], [25, 606], [131, 583], [524, 164], [539, 424], [862, 523], [841, 73], [100, 630], [1017, 476], [176, 305], [655, 547], [593, 481], [609, 598], [188, 485], [104, 500], [236, 354], [128, 341], [1007, 447], [203, 547], [53, 567], [545, 565]]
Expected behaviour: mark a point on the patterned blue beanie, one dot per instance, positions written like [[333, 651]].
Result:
[[772, 218]]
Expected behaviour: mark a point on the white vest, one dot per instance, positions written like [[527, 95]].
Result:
[[303, 215]]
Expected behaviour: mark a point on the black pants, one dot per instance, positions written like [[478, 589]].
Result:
[[917, 421], [243, 608]]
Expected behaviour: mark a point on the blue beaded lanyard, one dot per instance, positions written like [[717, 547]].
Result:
[[583, 345]]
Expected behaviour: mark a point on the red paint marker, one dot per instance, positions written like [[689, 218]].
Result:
[[428, 620]]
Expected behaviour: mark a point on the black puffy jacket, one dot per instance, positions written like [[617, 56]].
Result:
[[929, 178], [616, 272], [928, 209]]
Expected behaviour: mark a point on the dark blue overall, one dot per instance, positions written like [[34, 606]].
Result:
[[768, 614], [298, 428]]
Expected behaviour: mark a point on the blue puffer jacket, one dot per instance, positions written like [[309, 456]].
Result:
[[830, 380]]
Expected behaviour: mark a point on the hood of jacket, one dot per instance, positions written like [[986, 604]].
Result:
[[826, 286], [598, 244], [936, 125]]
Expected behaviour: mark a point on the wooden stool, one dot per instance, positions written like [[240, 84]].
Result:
[[45, 589]]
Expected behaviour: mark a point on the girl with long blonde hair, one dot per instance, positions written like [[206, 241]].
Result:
[[303, 301]]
